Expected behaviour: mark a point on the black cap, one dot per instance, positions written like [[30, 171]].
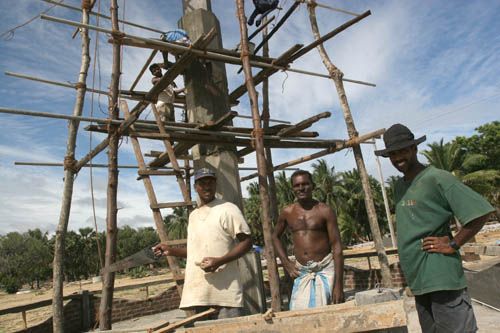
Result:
[[398, 137], [202, 173]]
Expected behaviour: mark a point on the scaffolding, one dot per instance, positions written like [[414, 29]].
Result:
[[180, 137]]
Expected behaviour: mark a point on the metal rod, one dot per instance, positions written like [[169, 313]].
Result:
[[485, 304], [103, 16], [386, 201], [205, 54]]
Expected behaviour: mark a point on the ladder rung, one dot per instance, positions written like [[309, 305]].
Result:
[[157, 173], [173, 204]]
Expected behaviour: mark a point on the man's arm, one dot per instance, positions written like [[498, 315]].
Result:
[[278, 246], [338, 257], [210, 264], [442, 244], [164, 249]]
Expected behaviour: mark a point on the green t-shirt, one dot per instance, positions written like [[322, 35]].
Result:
[[424, 208]]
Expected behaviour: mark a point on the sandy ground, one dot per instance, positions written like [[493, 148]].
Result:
[[12, 322]]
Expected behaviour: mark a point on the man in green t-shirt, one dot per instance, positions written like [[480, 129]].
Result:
[[426, 199]]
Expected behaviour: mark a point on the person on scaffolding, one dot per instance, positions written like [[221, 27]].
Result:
[[217, 236], [319, 267], [165, 103], [262, 8]]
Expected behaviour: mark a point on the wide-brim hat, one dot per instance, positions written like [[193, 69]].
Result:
[[203, 173], [398, 137]]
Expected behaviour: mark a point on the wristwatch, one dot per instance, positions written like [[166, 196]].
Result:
[[454, 245]]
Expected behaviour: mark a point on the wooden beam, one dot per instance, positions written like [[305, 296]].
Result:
[[303, 124], [173, 204], [166, 79], [173, 326]]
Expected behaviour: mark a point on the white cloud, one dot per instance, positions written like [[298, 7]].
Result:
[[436, 72]]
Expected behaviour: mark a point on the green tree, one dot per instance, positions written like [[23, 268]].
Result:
[[177, 223]]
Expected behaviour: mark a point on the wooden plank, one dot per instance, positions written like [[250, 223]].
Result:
[[156, 173], [188, 320], [333, 318], [172, 204]]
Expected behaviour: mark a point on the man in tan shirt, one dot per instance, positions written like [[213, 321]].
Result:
[[217, 235]]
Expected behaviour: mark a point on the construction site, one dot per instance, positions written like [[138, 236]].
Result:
[[203, 126]]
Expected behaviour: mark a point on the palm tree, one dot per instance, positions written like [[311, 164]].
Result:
[[177, 223], [448, 156]]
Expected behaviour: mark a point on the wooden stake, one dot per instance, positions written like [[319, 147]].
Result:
[[69, 177], [336, 76], [272, 267], [106, 307]]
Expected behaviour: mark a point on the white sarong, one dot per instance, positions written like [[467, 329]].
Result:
[[313, 287]]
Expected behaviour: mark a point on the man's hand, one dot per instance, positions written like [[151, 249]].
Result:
[[210, 264], [161, 249], [291, 269], [338, 294], [437, 245]]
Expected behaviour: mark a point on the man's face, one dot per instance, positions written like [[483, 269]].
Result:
[[156, 71], [302, 187], [205, 187], [404, 159]]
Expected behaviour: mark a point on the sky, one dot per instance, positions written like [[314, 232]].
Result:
[[436, 65]]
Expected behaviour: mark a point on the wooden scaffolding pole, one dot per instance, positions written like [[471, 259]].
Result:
[[69, 177], [108, 283], [336, 76], [258, 141]]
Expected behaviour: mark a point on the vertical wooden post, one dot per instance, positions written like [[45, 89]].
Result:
[[105, 310], [69, 178], [337, 75], [273, 200], [258, 141], [25, 322]]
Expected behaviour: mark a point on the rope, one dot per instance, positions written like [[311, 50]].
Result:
[[256, 133], [9, 34], [70, 164]]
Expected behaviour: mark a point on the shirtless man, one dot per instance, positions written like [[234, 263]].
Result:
[[317, 247]]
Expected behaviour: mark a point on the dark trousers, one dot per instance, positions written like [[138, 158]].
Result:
[[446, 311]]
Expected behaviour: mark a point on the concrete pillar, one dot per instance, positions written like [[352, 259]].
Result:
[[207, 99]]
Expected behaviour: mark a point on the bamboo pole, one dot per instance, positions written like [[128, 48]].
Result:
[[104, 16], [91, 165], [346, 144], [211, 55], [70, 85], [273, 199], [336, 76], [69, 178], [272, 266], [106, 306], [166, 79]]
